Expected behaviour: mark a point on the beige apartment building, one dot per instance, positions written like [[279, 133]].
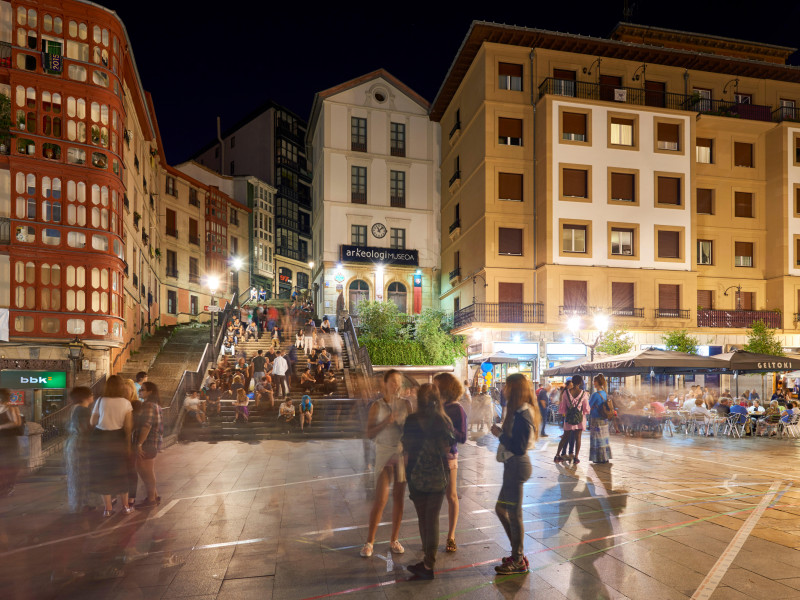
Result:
[[652, 177]]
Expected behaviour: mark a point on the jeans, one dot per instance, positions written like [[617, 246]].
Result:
[[428, 507], [279, 389], [509, 504]]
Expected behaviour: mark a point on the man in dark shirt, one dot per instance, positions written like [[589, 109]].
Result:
[[722, 407], [259, 366], [542, 397]]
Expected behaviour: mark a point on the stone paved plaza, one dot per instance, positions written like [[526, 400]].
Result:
[[671, 518]]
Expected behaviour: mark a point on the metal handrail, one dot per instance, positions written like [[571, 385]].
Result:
[[737, 318]]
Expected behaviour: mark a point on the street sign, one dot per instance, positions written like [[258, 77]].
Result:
[[212, 308]]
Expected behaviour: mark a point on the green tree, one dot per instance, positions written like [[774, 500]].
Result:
[[432, 331], [680, 341], [380, 320], [762, 340], [615, 341]]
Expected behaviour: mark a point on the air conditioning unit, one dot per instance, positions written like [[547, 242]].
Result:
[[620, 95]]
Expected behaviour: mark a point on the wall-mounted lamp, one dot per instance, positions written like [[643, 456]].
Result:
[[642, 75], [735, 83], [597, 62]]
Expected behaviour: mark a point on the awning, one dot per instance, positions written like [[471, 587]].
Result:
[[496, 359], [566, 369], [640, 362], [750, 362]]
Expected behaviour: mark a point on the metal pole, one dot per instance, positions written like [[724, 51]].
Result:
[[212, 328]]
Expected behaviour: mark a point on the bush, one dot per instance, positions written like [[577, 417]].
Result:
[[395, 352]]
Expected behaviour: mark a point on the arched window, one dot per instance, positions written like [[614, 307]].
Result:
[[359, 292], [397, 294]]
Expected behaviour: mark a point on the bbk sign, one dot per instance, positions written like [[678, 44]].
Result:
[[33, 379]]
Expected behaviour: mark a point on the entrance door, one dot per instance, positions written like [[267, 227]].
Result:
[[510, 305], [609, 83], [359, 292], [655, 93]]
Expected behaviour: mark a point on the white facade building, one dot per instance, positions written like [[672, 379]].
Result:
[[376, 197]]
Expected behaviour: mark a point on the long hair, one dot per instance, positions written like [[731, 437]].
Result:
[[450, 388], [133, 397], [431, 410], [518, 393], [151, 387], [115, 387]]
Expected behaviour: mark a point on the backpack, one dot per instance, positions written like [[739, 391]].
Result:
[[428, 474], [606, 408], [574, 414]]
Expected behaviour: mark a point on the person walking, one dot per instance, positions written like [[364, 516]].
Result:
[[112, 418], [148, 438], [259, 367], [427, 439], [76, 450], [542, 397], [387, 416], [450, 390], [133, 475], [599, 404], [517, 434], [309, 329], [279, 369], [574, 406]]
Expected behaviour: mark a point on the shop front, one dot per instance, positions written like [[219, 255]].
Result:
[[36, 393]]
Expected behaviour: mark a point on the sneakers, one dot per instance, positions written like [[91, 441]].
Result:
[[396, 547], [510, 566], [420, 571], [511, 558], [366, 551]]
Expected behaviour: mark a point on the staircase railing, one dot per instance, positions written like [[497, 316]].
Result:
[[359, 359], [172, 413]]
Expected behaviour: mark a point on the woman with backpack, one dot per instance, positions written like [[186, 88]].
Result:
[[427, 436], [519, 431], [601, 411], [574, 406]]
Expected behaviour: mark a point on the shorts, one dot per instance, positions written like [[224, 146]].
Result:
[[452, 460]]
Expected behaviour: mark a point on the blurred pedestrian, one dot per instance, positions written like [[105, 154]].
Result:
[[133, 476], [148, 438], [76, 449], [10, 427]]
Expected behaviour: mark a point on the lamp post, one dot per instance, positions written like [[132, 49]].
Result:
[[601, 322], [213, 283], [237, 263], [75, 353], [738, 289]]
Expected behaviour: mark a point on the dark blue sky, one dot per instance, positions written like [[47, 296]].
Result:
[[199, 63]]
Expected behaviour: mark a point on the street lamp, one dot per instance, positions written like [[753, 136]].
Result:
[[75, 353], [212, 282], [237, 263], [601, 323]]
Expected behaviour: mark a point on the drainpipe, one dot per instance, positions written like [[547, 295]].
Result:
[[221, 148], [535, 219], [686, 82]]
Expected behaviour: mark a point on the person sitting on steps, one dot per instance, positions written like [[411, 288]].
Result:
[[286, 414]]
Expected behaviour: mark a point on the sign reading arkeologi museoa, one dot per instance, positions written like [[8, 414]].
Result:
[[33, 379], [386, 256]]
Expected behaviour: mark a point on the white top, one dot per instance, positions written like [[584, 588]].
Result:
[[753, 409], [689, 403], [112, 412], [279, 366]]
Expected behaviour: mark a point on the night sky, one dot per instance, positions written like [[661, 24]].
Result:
[[202, 63]]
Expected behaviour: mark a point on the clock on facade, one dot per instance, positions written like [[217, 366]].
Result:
[[379, 230]]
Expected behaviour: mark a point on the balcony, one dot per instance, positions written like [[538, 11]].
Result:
[[671, 313], [287, 192], [456, 128], [398, 151], [126, 203], [455, 273], [786, 113], [172, 232], [398, 201], [573, 310], [738, 318], [638, 96], [358, 146], [358, 197], [456, 177], [172, 272], [194, 239], [501, 312], [5, 54], [145, 238], [637, 313]]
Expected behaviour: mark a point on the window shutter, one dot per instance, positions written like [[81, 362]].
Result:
[[575, 294], [564, 74], [669, 296], [510, 186], [669, 190], [620, 121], [705, 299], [743, 204], [744, 300], [456, 259], [669, 244], [509, 292], [705, 205], [797, 200], [797, 252], [575, 183], [621, 295], [510, 241], [742, 154], [668, 132], [704, 143], [743, 249], [509, 128], [574, 123], [622, 186], [510, 70]]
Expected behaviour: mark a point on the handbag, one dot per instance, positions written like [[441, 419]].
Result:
[[502, 454]]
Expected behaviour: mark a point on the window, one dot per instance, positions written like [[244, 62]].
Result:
[[622, 298], [621, 132], [398, 139], [573, 238], [510, 241], [170, 186], [703, 151], [358, 134], [705, 201], [194, 270], [172, 226], [705, 300], [668, 190], [703, 99], [743, 204], [575, 183], [573, 127], [359, 292], [172, 263], [172, 302], [669, 300], [510, 76], [796, 149], [623, 187], [743, 98], [744, 254], [509, 131], [564, 82], [668, 136], [509, 186], [358, 235], [575, 296], [745, 300], [194, 305], [397, 294], [669, 244], [742, 155], [705, 252], [397, 238], [622, 242], [193, 197], [358, 184], [397, 188]]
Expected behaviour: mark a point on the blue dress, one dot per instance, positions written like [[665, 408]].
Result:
[[600, 446]]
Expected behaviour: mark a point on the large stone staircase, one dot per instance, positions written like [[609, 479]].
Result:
[[335, 416]]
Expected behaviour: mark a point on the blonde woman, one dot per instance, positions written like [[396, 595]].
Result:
[[599, 446]]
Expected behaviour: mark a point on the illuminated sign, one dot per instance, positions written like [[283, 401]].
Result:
[[517, 348], [386, 256], [33, 379], [566, 350]]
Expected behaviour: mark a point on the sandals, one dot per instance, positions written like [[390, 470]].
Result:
[[108, 513], [451, 545], [557, 459]]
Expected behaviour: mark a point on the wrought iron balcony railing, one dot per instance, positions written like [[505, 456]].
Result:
[[671, 313], [738, 318], [499, 312]]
